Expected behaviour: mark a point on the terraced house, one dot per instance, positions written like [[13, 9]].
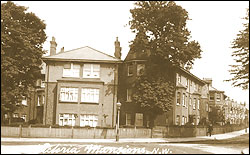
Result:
[[81, 87], [191, 96]]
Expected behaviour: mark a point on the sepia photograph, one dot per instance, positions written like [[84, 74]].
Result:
[[124, 77]]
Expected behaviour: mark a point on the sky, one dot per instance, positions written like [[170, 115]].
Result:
[[214, 24]]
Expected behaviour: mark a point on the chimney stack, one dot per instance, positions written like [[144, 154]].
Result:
[[118, 49], [62, 49], [53, 45]]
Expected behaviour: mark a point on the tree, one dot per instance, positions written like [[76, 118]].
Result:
[[162, 35], [216, 115], [22, 38], [240, 71]]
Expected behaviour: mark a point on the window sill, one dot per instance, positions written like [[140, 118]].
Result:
[[68, 102], [89, 103]]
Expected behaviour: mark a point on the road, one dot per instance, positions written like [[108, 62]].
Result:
[[228, 146]]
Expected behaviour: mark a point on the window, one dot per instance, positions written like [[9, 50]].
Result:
[[129, 95], [91, 71], [194, 103], [196, 87], [38, 100], [198, 120], [90, 95], [139, 119], [130, 69], [43, 84], [88, 120], [15, 115], [183, 120], [190, 101], [191, 83], [43, 99], [212, 97], [67, 119], [69, 94], [183, 99], [198, 104], [187, 82], [24, 117], [24, 101], [71, 70], [140, 69], [186, 101], [177, 120], [128, 119], [178, 78], [218, 97], [207, 107], [178, 98]]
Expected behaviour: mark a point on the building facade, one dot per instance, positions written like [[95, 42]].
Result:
[[190, 100], [81, 87]]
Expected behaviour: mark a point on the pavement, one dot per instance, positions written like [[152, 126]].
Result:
[[130, 140]]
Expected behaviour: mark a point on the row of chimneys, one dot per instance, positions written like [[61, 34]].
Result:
[[53, 45]]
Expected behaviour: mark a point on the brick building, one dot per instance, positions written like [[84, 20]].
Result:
[[190, 99], [81, 87]]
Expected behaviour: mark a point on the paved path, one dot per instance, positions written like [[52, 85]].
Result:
[[130, 140]]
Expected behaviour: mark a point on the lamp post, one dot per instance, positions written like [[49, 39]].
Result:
[[118, 105]]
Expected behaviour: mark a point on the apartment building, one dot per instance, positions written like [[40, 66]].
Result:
[[191, 96], [81, 87]]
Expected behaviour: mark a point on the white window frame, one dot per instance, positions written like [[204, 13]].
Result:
[[73, 71], [90, 95], [194, 104], [218, 97], [178, 98], [177, 118], [42, 84], [183, 120], [15, 115], [190, 101], [71, 120], [68, 94], [88, 120], [24, 116], [24, 101], [91, 70], [178, 78], [138, 119], [128, 114], [43, 101], [198, 104], [38, 100], [183, 99], [130, 67], [129, 95]]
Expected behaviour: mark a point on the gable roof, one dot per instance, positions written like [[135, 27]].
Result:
[[83, 54], [132, 55]]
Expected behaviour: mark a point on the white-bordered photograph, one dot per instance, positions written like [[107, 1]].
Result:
[[124, 77]]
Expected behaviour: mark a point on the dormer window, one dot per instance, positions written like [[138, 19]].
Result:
[[91, 71], [71, 70]]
